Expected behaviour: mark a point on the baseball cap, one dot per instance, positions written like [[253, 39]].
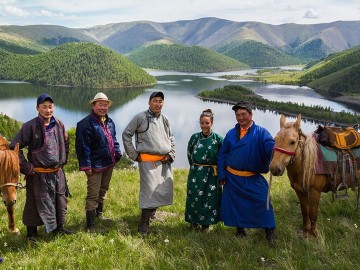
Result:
[[42, 98]]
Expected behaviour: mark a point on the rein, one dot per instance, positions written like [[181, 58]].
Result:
[[18, 185]]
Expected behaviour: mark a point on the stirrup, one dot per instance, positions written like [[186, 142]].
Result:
[[345, 193]]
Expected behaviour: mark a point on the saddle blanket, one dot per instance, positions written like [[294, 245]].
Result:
[[328, 159]]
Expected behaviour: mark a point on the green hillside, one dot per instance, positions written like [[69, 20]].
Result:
[[74, 64], [257, 54], [336, 75], [313, 49], [34, 39], [8, 126], [183, 58]]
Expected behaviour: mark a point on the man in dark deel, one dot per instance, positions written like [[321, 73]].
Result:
[[46, 189]]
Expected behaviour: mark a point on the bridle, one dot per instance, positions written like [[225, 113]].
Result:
[[290, 153]]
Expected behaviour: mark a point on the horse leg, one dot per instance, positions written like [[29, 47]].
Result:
[[314, 200], [304, 204], [11, 224]]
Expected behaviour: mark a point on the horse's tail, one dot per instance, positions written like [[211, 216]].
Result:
[[310, 156]]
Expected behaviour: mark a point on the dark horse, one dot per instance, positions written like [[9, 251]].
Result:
[[9, 177], [298, 153]]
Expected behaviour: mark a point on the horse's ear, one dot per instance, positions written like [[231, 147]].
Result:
[[16, 148], [298, 121], [282, 120]]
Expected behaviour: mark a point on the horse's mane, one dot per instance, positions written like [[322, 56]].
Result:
[[310, 156], [9, 166]]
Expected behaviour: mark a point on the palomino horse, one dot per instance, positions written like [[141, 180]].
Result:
[[298, 153], [9, 176]]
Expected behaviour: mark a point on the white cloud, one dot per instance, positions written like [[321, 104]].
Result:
[[48, 13], [14, 11], [311, 14]]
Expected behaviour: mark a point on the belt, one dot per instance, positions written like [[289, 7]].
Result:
[[208, 165], [240, 173], [46, 170], [150, 157]]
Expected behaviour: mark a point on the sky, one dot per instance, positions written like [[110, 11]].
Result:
[[88, 13]]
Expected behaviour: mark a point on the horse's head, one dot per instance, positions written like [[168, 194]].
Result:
[[4, 145], [9, 175], [286, 143]]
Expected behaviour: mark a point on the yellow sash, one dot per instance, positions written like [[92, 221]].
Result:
[[46, 170], [150, 157], [240, 173], [207, 165]]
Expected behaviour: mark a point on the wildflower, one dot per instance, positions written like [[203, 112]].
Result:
[[262, 259], [83, 249], [166, 240], [328, 218], [5, 244], [355, 225], [111, 241]]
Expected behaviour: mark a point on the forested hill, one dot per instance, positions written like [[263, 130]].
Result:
[[170, 56], [257, 54], [80, 64], [336, 75]]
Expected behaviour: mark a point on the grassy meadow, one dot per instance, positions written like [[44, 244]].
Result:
[[172, 245]]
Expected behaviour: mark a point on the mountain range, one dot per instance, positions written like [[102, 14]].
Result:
[[291, 43]]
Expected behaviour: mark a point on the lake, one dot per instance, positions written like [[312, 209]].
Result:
[[18, 100]]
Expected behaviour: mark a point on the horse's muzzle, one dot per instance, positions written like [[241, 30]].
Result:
[[11, 203]]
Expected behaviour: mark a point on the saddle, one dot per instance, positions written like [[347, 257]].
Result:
[[339, 150], [338, 137]]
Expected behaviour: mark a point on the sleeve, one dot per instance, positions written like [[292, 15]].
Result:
[[118, 154], [172, 142], [23, 138], [190, 149], [221, 164], [82, 145], [127, 135]]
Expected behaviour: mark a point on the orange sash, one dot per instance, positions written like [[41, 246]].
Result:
[[150, 157], [240, 173], [46, 170]]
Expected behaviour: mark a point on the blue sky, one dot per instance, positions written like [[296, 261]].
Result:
[[88, 13]]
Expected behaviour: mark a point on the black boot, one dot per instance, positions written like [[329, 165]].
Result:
[[153, 216], [31, 234], [270, 236], [240, 232], [60, 230], [99, 212], [205, 228], [143, 228], [90, 220]]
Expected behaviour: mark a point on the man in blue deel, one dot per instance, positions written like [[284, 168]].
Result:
[[244, 156]]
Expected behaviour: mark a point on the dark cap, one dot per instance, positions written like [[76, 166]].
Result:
[[156, 94], [42, 98], [243, 105]]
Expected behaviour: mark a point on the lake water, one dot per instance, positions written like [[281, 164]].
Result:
[[18, 100]]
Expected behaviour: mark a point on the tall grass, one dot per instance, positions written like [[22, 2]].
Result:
[[172, 245]]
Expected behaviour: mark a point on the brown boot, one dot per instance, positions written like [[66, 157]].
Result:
[[143, 228]]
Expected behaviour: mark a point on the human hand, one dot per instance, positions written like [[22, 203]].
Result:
[[222, 182], [88, 173], [166, 159]]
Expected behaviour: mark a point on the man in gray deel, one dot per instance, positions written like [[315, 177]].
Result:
[[154, 150]]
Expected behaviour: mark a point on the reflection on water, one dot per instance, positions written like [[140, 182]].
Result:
[[18, 100]]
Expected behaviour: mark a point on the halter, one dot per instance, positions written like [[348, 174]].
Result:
[[290, 153], [20, 185]]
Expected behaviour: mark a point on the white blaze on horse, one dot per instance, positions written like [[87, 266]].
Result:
[[298, 153], [9, 177]]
